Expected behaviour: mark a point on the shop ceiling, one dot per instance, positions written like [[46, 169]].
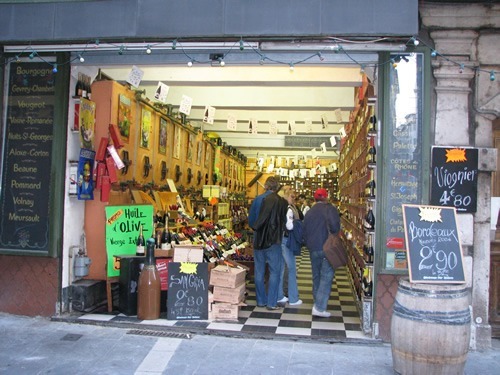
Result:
[[308, 92]]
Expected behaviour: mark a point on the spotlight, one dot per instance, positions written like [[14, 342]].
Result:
[[148, 50], [222, 63], [122, 49], [434, 53], [80, 57], [492, 76], [242, 46], [415, 41], [54, 69], [321, 58], [190, 64], [174, 44], [292, 68], [461, 70], [32, 55]]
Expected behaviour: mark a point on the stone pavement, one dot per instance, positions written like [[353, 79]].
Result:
[[42, 346]]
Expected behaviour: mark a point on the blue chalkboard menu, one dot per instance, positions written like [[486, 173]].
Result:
[[454, 178], [26, 173], [433, 244], [187, 297]]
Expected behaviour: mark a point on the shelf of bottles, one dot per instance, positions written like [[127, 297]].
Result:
[[308, 185], [218, 242], [357, 188]]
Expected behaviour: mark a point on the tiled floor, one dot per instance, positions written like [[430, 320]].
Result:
[[344, 323]]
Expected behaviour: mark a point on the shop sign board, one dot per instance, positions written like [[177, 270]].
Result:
[[187, 297], [27, 156], [454, 178], [123, 224], [433, 244]]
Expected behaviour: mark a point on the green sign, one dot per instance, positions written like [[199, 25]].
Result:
[[123, 224]]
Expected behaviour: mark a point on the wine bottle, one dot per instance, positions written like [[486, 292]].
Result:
[[140, 243], [370, 189], [78, 87], [166, 239], [373, 124], [84, 86], [372, 152], [149, 287], [89, 89], [367, 282], [369, 250], [369, 222]]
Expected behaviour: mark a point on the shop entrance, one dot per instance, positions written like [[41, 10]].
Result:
[[311, 103]]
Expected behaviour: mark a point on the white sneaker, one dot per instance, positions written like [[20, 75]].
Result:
[[299, 302], [322, 314], [283, 300]]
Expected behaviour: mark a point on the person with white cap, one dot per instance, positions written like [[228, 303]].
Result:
[[322, 218]]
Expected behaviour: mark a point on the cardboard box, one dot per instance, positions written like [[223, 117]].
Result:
[[224, 311], [188, 253], [227, 277], [164, 253], [230, 295]]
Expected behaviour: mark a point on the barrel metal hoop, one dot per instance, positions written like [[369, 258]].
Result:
[[453, 318], [432, 359], [442, 294]]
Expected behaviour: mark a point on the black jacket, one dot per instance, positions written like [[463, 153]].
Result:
[[270, 223]]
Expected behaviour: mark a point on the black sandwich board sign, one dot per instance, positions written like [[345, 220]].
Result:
[[187, 297], [454, 178], [433, 244]]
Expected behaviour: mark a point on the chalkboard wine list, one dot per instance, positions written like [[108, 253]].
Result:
[[140, 243], [149, 286]]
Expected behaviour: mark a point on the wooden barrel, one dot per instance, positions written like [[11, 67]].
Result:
[[430, 328]]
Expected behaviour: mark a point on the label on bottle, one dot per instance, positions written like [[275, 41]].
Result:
[[140, 250], [166, 246]]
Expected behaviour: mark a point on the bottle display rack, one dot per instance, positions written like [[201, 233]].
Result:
[[357, 191]]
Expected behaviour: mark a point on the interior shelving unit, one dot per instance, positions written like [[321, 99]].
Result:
[[357, 190]]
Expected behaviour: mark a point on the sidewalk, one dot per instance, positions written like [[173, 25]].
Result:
[[42, 346]]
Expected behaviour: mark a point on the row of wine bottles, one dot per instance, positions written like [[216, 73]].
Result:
[[216, 240], [83, 87]]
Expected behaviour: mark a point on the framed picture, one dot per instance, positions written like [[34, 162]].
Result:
[[190, 147], [199, 152], [124, 117], [146, 127], [162, 136], [177, 143]]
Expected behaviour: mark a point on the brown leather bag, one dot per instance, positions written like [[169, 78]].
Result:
[[335, 251]]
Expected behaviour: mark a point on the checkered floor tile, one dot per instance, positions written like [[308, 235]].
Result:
[[344, 323]]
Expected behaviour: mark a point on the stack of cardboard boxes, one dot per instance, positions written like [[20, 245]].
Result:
[[228, 293]]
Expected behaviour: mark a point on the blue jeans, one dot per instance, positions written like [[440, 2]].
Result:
[[272, 256], [323, 274], [293, 291]]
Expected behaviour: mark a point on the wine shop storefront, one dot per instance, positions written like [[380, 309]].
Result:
[[91, 101]]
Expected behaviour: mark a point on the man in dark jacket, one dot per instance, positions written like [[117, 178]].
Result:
[[321, 219], [268, 230]]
